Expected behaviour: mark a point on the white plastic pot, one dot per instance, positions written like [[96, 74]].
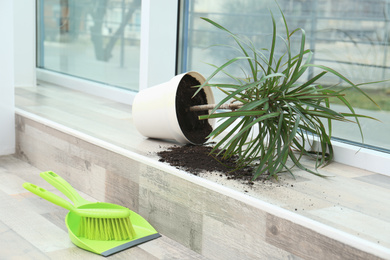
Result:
[[154, 110]]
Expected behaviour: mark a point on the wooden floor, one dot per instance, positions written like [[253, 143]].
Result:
[[32, 228]]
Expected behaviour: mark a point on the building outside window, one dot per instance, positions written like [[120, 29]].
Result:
[[98, 40]]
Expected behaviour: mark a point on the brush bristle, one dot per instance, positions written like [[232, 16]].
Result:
[[106, 228]]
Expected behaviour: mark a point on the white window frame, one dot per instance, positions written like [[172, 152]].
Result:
[[363, 158]]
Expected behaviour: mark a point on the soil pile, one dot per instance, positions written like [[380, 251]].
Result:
[[196, 159]]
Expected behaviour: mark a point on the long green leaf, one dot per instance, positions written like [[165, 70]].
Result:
[[271, 55], [339, 75], [238, 41], [308, 83], [251, 124], [218, 70]]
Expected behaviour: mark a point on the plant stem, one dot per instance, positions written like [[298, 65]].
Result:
[[212, 106]]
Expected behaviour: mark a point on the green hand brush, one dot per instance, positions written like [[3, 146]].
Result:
[[98, 222]]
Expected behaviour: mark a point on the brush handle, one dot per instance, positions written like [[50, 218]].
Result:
[[47, 195], [87, 212], [62, 185]]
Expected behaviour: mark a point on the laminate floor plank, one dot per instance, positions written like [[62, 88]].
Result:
[[13, 246], [32, 228]]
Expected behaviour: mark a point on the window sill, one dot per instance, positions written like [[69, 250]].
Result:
[[339, 207], [86, 86]]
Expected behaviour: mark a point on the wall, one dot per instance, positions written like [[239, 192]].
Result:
[[24, 43], [7, 103]]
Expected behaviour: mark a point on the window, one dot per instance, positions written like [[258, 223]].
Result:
[[350, 36], [98, 40]]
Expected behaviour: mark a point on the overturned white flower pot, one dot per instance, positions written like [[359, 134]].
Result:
[[163, 111]]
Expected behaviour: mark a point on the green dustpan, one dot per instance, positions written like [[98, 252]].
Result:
[[144, 231]]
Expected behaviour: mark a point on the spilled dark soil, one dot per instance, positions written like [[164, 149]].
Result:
[[196, 159]]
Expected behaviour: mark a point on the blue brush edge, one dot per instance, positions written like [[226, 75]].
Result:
[[130, 244]]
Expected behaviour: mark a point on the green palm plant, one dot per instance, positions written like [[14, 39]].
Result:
[[274, 115]]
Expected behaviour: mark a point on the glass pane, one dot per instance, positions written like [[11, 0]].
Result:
[[97, 40], [349, 36]]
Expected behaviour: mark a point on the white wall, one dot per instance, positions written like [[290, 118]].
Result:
[[24, 43], [7, 103]]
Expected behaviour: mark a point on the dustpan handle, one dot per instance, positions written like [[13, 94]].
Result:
[[47, 195], [62, 185]]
